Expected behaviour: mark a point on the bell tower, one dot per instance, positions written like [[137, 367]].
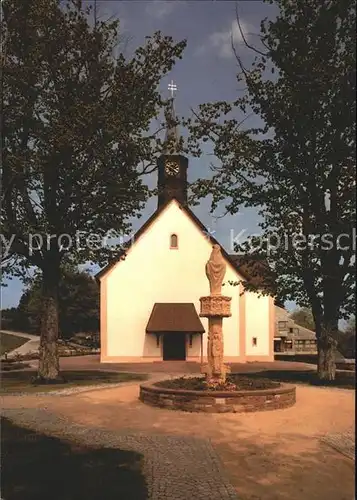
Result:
[[172, 165]]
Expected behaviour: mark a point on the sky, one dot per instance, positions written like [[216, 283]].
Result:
[[206, 73]]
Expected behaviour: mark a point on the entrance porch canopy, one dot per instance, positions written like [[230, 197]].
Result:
[[174, 317]]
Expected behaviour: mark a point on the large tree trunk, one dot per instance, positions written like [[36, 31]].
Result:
[[326, 329], [326, 366], [326, 352], [48, 370]]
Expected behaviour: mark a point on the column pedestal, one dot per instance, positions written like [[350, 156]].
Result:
[[215, 308]]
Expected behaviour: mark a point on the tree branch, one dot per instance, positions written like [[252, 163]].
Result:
[[243, 36]]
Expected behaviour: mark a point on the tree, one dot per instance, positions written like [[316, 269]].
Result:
[[299, 167], [304, 317], [9, 319], [76, 141], [78, 304], [28, 312]]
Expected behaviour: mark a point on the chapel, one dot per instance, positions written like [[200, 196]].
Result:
[[150, 295]]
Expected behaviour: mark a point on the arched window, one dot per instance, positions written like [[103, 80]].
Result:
[[173, 241]]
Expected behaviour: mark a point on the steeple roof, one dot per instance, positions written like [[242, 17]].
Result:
[[172, 136]]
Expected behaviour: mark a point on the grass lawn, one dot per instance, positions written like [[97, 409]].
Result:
[[10, 342], [12, 382], [35, 466], [12, 364], [344, 380]]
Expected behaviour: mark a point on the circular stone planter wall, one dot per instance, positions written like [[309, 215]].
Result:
[[216, 401]]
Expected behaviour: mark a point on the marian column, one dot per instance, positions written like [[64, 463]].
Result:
[[215, 307]]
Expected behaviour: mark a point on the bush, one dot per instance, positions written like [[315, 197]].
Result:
[[91, 340]]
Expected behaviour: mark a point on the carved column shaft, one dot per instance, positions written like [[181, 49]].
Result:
[[215, 307]]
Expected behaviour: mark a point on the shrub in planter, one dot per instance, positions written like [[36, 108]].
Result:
[[233, 383]]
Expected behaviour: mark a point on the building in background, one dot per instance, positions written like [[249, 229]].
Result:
[[290, 337]]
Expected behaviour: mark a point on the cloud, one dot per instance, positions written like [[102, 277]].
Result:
[[221, 41], [160, 9]]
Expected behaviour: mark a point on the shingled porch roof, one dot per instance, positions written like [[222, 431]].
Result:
[[174, 317]]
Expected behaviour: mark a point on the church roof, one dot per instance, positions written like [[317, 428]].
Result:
[[174, 317], [240, 263], [257, 269]]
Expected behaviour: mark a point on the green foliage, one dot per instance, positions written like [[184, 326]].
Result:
[[78, 304], [304, 317], [76, 138], [76, 142], [9, 319], [299, 167]]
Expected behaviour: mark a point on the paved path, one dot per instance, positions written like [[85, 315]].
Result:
[[20, 334], [273, 455], [175, 468], [344, 442]]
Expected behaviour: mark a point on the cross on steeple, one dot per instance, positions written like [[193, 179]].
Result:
[[172, 88], [172, 134], [172, 164]]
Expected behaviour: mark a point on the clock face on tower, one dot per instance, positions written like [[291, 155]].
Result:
[[171, 168]]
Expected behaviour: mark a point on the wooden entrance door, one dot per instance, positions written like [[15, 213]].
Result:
[[174, 347]]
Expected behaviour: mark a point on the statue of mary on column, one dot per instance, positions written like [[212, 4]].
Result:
[[215, 270]]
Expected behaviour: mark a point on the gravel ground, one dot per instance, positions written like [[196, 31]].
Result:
[[71, 390], [175, 467], [344, 442]]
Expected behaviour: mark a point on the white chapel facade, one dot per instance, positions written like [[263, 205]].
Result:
[[150, 297]]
